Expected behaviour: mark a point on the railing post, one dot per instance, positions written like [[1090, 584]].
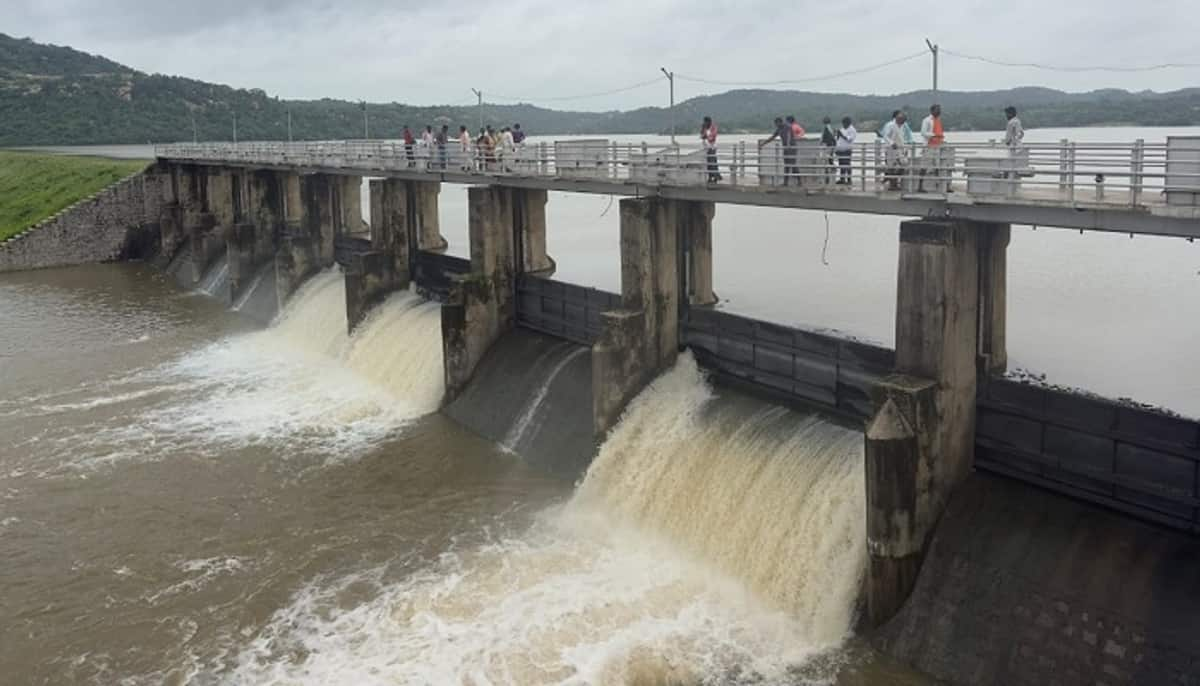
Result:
[[1063, 178], [1135, 171], [878, 159], [1071, 170], [862, 165]]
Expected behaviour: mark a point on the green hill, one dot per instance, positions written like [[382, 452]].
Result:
[[51, 95]]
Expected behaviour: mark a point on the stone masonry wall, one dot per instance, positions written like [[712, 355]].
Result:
[[106, 226]]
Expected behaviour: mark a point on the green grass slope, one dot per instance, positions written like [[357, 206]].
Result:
[[34, 186]]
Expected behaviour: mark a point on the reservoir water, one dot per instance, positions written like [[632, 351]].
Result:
[[187, 497]]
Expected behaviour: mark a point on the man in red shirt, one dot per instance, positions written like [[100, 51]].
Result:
[[797, 130], [409, 141]]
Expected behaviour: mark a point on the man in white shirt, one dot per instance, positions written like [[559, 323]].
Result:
[[844, 148], [1014, 133], [893, 139]]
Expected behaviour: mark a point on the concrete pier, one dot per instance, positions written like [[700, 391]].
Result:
[[482, 304], [349, 201], [642, 338], [696, 235], [424, 200], [385, 269], [920, 444], [993, 298], [317, 215], [529, 215], [254, 238]]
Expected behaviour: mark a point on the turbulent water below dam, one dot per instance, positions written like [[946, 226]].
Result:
[[187, 497]]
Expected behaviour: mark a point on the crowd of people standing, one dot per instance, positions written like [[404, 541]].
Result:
[[485, 151], [898, 139]]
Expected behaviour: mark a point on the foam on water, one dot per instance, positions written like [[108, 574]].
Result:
[[705, 545], [301, 386]]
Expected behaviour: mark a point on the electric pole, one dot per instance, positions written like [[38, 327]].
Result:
[[479, 94], [195, 136], [366, 131], [671, 79], [235, 127], [933, 49], [289, 112]]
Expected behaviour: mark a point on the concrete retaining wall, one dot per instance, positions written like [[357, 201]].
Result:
[[1022, 586], [113, 224]]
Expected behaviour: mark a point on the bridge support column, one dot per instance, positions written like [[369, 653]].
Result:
[[696, 233], [920, 443], [993, 298], [317, 216], [529, 216], [424, 201], [481, 304], [297, 258], [349, 190], [253, 240], [642, 338], [385, 269]]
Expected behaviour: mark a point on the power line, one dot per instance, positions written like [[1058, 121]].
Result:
[[1074, 69], [809, 79], [581, 96]]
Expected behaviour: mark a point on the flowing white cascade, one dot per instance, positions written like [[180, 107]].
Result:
[[712, 541], [216, 279], [524, 422]]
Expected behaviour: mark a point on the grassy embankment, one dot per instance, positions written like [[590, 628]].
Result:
[[34, 186]]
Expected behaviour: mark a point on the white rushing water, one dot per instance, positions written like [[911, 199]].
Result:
[[300, 386], [216, 280], [708, 543]]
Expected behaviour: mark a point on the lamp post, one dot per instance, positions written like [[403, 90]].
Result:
[[479, 94], [933, 48], [671, 79]]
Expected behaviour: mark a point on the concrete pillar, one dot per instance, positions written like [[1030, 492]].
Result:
[[293, 208], [317, 220], [529, 216], [642, 338], [371, 276], [254, 237], [696, 233], [206, 243], [910, 478], [349, 189], [424, 201], [993, 298], [297, 259], [482, 304]]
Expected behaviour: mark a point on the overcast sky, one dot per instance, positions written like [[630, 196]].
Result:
[[425, 52]]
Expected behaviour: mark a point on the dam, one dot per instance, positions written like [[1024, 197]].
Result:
[[749, 494]]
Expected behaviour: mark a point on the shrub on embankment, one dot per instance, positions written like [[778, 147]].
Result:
[[36, 186]]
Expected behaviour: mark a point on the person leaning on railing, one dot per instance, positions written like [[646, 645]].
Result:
[[844, 149], [787, 139]]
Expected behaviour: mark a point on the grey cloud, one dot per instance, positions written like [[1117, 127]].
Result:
[[426, 52]]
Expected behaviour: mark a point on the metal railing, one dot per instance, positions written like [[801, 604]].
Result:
[[1122, 174]]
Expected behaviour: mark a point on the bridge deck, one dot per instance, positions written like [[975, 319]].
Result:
[[1103, 187]]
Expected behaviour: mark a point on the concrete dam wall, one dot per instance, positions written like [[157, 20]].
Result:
[[1022, 586]]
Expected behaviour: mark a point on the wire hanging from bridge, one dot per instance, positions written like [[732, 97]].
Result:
[[824, 77], [1073, 69], [581, 96]]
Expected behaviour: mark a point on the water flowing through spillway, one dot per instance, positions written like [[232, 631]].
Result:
[[301, 386], [713, 540]]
